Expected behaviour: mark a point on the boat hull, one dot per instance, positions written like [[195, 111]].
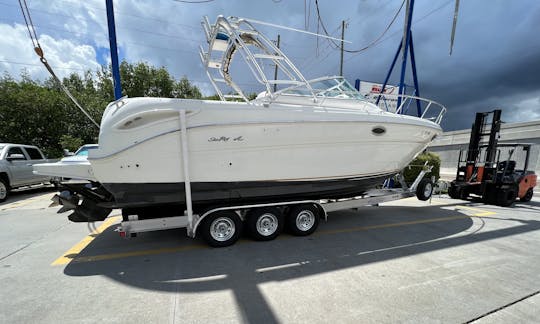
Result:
[[301, 151], [240, 153], [243, 154], [234, 193]]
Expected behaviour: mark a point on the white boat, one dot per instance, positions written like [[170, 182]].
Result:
[[309, 139]]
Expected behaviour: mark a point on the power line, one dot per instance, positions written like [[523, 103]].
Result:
[[81, 69], [52, 27], [122, 28], [412, 23], [35, 64], [195, 1], [126, 42], [370, 44], [39, 52], [117, 13]]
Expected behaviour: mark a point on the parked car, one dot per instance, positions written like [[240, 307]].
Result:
[[16, 170]]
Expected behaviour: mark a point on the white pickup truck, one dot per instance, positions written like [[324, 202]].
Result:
[[16, 170]]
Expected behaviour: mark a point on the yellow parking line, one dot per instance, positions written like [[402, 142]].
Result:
[[24, 202], [72, 254], [365, 228], [138, 253], [479, 212], [18, 204], [77, 248]]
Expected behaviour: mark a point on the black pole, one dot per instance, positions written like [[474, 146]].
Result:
[[342, 47], [275, 69]]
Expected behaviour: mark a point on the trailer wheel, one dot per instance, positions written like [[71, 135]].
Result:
[[264, 224], [528, 195], [4, 190], [506, 197], [424, 189], [303, 219], [221, 228]]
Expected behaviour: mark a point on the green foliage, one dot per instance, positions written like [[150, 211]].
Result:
[[213, 97], [411, 171], [70, 143], [40, 113]]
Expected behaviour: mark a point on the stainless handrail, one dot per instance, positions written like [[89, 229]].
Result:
[[406, 99]]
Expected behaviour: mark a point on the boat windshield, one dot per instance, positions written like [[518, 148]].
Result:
[[83, 150], [330, 87]]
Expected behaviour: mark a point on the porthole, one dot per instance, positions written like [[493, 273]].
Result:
[[378, 130]]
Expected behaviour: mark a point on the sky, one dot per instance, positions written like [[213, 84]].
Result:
[[495, 61]]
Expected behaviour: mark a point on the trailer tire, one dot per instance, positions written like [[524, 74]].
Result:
[[303, 220], [264, 224], [506, 197], [424, 189], [4, 189], [221, 228], [528, 196]]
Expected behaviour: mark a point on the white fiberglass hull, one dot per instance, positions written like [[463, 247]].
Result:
[[264, 152], [248, 151]]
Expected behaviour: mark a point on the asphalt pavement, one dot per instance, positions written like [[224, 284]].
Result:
[[448, 261]]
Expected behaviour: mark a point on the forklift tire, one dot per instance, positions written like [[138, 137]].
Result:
[[490, 196], [453, 192], [506, 197], [463, 194], [424, 189], [528, 196]]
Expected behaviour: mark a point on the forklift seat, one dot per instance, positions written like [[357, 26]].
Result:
[[508, 165]]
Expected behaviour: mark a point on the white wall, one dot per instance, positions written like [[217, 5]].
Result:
[[449, 144]]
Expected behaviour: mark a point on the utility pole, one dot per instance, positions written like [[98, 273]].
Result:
[[114, 50], [275, 70], [342, 47]]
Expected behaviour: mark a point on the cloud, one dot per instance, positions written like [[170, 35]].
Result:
[[494, 63], [65, 56]]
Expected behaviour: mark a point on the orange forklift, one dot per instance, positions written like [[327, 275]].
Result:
[[482, 172]]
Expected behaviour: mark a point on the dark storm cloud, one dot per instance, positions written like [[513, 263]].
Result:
[[495, 63]]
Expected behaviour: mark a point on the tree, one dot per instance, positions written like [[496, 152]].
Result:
[[40, 113], [70, 143]]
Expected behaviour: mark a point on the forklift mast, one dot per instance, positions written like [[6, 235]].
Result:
[[479, 130], [481, 173]]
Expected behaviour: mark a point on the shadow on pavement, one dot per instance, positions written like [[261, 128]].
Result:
[[29, 192], [242, 267]]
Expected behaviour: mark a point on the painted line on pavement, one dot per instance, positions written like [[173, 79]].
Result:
[[72, 254], [479, 212], [24, 202]]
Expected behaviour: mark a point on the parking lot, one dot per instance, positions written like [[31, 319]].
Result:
[[406, 261]]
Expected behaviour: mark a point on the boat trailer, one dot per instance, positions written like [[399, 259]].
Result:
[[222, 226]]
